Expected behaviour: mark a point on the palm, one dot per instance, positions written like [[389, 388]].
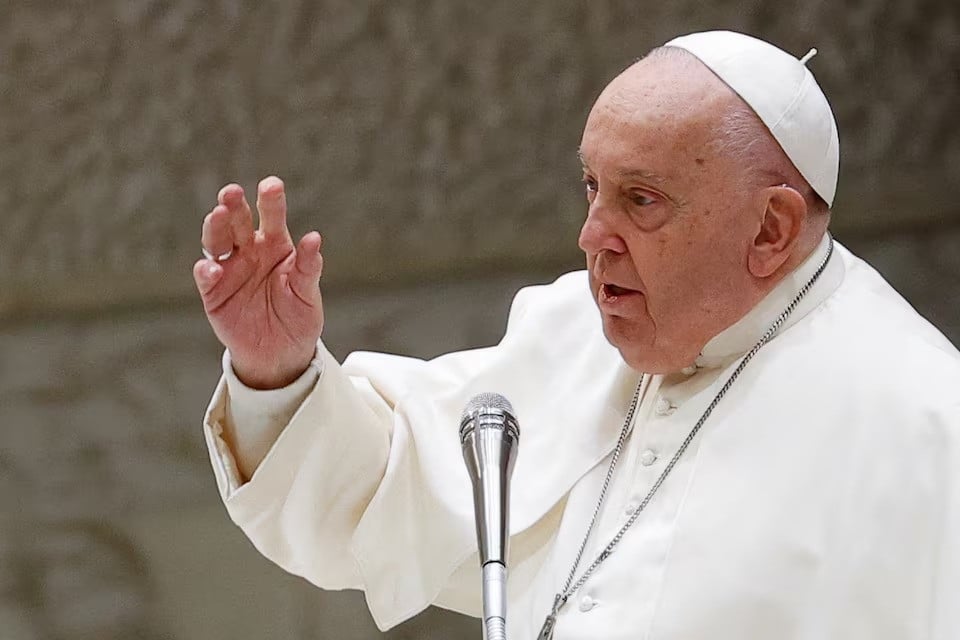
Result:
[[263, 301], [264, 312]]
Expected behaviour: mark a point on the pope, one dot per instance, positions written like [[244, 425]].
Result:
[[732, 426]]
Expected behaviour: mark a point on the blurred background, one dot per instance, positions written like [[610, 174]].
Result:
[[433, 144]]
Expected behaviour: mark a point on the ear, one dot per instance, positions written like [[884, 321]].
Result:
[[784, 213]]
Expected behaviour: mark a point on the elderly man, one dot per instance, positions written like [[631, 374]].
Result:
[[755, 437]]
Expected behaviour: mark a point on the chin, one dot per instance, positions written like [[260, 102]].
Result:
[[648, 361], [635, 345], [638, 348]]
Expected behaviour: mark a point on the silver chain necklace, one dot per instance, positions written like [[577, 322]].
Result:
[[570, 587]]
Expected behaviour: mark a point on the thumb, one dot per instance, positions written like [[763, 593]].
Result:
[[305, 276]]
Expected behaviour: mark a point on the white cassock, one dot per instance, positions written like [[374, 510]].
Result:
[[821, 499]]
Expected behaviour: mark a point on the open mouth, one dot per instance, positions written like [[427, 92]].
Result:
[[613, 291]]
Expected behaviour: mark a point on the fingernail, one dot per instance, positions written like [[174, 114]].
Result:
[[271, 186], [229, 192]]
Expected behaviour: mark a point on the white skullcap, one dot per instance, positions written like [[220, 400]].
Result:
[[782, 91]]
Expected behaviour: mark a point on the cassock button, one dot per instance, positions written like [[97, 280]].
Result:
[[664, 407], [587, 603], [648, 457]]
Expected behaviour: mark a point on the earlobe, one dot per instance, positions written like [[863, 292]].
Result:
[[784, 214]]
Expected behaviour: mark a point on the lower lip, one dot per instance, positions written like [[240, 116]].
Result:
[[611, 302]]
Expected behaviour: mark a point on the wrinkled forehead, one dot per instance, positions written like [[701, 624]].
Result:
[[670, 103]]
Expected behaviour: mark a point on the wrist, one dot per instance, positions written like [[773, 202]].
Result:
[[276, 375]]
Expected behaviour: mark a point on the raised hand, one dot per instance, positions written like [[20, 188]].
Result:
[[260, 292]]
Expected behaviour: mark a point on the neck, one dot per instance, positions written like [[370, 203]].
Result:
[[740, 336]]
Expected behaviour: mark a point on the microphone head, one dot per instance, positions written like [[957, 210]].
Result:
[[491, 400], [488, 405]]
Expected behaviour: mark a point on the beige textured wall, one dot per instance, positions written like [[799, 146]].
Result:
[[433, 145]]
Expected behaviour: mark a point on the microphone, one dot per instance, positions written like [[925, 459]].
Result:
[[489, 435]]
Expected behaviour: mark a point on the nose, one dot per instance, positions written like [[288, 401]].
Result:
[[599, 231]]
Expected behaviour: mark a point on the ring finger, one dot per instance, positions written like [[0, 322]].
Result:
[[216, 236]]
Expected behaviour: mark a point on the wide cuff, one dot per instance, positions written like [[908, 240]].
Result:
[[303, 502], [255, 418], [242, 423]]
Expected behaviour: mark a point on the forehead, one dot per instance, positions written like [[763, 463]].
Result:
[[664, 110]]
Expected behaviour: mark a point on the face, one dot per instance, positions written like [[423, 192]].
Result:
[[668, 222]]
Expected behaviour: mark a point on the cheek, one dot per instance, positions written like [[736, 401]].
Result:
[[674, 279], [699, 290], [651, 259]]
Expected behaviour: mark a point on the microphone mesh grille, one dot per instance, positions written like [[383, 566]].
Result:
[[494, 400]]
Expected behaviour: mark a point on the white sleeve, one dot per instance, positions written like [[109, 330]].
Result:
[[254, 418], [364, 486], [302, 503]]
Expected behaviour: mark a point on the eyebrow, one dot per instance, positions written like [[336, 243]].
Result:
[[629, 173]]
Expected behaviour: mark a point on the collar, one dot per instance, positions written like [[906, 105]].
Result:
[[739, 337]]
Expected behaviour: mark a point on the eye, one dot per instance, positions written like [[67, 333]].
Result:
[[641, 198], [590, 186]]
